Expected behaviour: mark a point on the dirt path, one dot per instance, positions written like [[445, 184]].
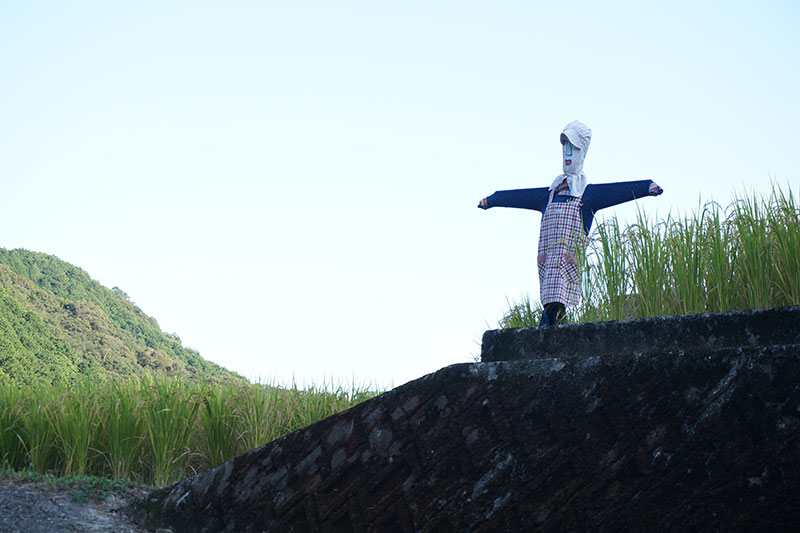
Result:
[[33, 507]]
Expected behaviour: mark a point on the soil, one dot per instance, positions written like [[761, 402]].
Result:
[[35, 507]]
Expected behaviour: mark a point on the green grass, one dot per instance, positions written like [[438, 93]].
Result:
[[81, 487], [170, 415], [744, 257], [121, 436], [151, 430]]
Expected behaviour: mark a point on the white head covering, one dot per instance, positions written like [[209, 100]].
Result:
[[579, 135]]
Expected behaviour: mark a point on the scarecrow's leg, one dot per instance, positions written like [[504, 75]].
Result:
[[553, 314]]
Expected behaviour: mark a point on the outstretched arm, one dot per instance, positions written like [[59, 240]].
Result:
[[535, 199], [600, 196]]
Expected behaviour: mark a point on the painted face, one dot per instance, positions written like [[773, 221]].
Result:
[[573, 155], [569, 155]]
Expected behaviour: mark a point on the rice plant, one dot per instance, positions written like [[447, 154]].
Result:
[[720, 252], [684, 247], [12, 435], [39, 445], [262, 419], [171, 412], [754, 249], [122, 429], [784, 221], [649, 265], [605, 282], [72, 418], [219, 436]]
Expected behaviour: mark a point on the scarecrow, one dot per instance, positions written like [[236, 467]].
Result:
[[568, 207]]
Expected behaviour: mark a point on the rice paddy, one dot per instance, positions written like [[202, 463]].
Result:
[[154, 430]]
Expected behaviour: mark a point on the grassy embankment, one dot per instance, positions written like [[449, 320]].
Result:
[[744, 257], [151, 431]]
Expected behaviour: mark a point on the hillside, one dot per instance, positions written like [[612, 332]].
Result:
[[58, 325]]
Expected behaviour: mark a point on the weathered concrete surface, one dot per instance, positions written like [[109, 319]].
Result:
[[761, 327], [696, 439]]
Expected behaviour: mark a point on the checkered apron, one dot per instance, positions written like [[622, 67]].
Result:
[[562, 231]]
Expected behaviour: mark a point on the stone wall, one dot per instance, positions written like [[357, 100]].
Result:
[[671, 334], [679, 436]]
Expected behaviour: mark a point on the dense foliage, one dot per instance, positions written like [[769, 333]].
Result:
[[58, 325], [743, 257]]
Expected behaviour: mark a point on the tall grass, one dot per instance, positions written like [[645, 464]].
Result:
[[263, 415], [744, 257], [13, 447], [72, 419], [153, 430], [170, 417], [522, 314], [220, 424], [122, 430], [783, 227], [38, 436]]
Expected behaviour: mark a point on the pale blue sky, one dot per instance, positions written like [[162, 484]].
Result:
[[291, 186]]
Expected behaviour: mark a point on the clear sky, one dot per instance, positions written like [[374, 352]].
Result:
[[291, 187]]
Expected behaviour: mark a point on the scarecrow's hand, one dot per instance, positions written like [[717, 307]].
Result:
[[483, 204], [654, 190]]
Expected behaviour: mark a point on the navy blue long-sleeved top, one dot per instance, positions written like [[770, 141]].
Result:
[[595, 197]]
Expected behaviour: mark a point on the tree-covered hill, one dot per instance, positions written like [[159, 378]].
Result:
[[58, 325]]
